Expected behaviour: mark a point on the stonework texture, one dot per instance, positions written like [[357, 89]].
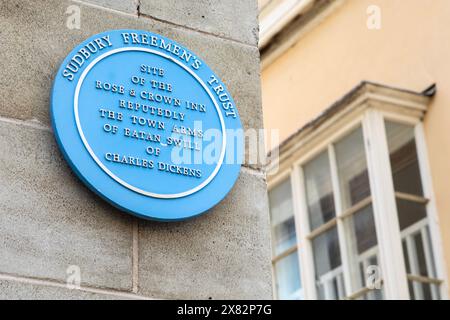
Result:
[[49, 221]]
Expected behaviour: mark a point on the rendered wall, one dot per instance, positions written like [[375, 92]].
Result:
[[410, 51], [50, 221]]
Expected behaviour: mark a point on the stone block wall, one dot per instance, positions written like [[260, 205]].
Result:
[[49, 221]]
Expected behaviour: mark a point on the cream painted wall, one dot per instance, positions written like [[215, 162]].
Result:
[[411, 51]]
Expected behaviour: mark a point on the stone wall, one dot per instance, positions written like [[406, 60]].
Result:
[[50, 221]]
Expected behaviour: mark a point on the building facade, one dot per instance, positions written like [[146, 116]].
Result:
[[58, 240], [358, 91]]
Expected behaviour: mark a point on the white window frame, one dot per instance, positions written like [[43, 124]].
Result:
[[279, 179], [370, 112]]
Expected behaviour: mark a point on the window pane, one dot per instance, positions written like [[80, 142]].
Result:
[[410, 212], [416, 244], [327, 263], [423, 291], [419, 260], [352, 169], [282, 217], [326, 251], [406, 257], [319, 190], [364, 230], [377, 292], [288, 278], [403, 156], [363, 251]]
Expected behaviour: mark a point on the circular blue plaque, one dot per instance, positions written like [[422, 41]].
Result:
[[147, 125]]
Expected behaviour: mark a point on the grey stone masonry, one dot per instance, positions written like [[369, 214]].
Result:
[[218, 256], [233, 19], [50, 222], [40, 44], [127, 6]]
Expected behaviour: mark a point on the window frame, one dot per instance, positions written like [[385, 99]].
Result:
[[390, 257], [428, 200], [278, 180]]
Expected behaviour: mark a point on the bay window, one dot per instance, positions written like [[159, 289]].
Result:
[[351, 215]]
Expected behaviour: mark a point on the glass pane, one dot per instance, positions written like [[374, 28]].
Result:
[[406, 257], [352, 169], [429, 247], [423, 291], [364, 230], [326, 251], [327, 263], [282, 217], [288, 278], [362, 247], [377, 292], [409, 213], [419, 261], [319, 190], [403, 155], [420, 254], [408, 269]]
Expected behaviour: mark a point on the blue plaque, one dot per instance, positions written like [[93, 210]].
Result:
[[147, 125]]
